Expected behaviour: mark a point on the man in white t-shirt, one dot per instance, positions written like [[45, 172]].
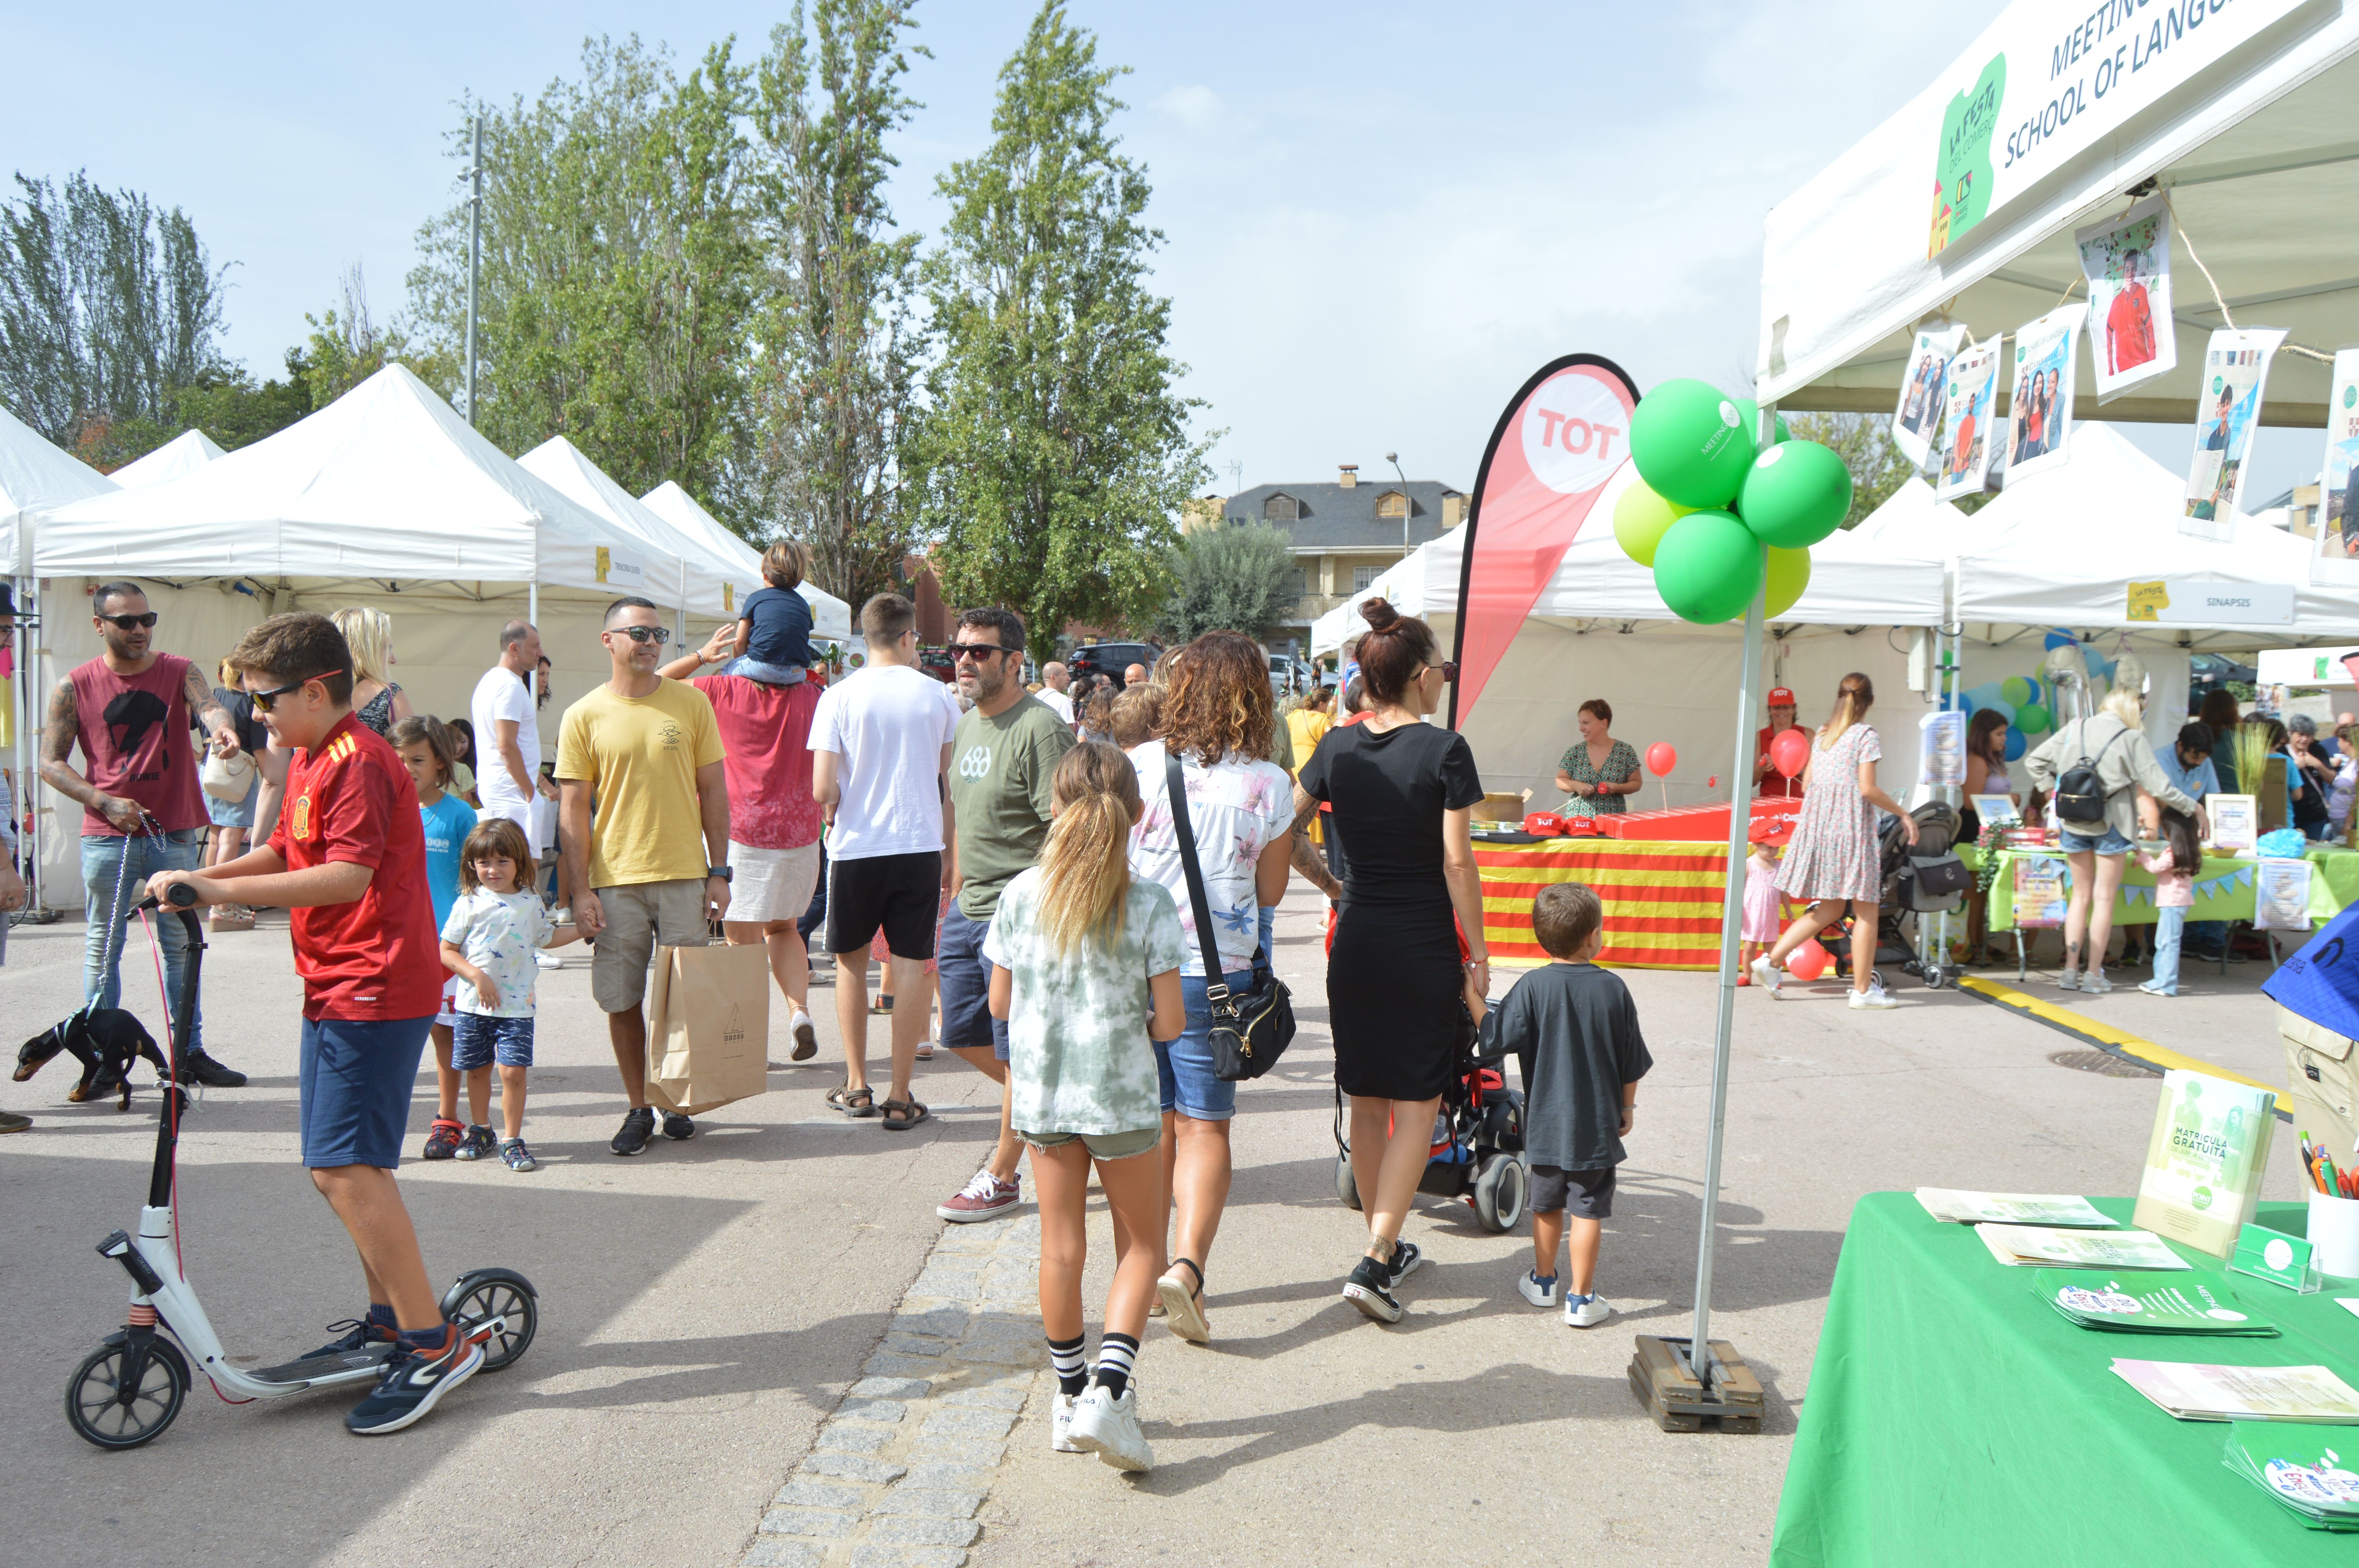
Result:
[[507, 733], [1055, 683], [880, 744]]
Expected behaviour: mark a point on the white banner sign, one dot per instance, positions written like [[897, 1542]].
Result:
[[1969, 404], [2194, 602], [2127, 263], [2040, 412], [1918, 420], [2227, 412]]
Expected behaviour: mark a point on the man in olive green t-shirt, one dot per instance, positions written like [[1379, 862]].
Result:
[[1003, 758]]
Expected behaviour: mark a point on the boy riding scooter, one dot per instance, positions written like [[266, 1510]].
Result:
[[366, 948]]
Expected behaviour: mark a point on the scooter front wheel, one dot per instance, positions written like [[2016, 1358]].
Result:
[[485, 1293], [105, 1411]]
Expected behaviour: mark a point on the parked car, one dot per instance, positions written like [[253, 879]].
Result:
[[1288, 675], [1111, 659], [937, 663]]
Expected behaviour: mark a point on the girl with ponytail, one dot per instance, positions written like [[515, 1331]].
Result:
[[1085, 970]]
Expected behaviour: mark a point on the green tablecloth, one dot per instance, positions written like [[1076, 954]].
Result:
[[1952, 1412], [2223, 888]]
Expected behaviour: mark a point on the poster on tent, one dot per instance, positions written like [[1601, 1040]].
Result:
[[1919, 418], [2039, 415], [1968, 398], [2235, 373], [2127, 263], [2338, 500]]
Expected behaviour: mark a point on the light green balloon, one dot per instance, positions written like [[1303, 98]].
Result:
[[1789, 575], [1640, 520], [1708, 568], [2017, 689], [2032, 719]]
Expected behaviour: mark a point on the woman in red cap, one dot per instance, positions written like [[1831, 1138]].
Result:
[[1767, 782]]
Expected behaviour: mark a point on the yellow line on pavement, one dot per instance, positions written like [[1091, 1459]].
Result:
[[2104, 1036]]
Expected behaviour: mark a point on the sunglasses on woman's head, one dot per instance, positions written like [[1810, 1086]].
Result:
[[131, 622], [266, 701], [658, 635]]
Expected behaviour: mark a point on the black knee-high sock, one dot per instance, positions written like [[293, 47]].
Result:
[[1070, 1358], [1117, 1352]]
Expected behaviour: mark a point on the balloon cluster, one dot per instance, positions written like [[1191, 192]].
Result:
[[2028, 702], [1714, 514]]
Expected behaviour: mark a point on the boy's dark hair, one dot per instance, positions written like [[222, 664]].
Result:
[[885, 616], [496, 836], [423, 729], [1564, 916], [1006, 624], [785, 565], [295, 647], [2195, 738]]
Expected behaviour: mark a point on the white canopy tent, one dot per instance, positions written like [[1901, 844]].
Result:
[[184, 453], [705, 586], [830, 617], [34, 475]]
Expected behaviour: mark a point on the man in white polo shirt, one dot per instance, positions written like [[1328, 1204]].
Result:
[[507, 733]]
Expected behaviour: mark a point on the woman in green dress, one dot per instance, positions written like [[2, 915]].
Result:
[[1598, 771]]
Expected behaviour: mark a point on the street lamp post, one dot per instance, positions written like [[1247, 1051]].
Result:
[[1394, 459]]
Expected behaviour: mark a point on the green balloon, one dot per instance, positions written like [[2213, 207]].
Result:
[[2017, 689], [1708, 568], [1795, 494], [2032, 719], [1788, 574], [1640, 517], [1690, 444], [1752, 413]]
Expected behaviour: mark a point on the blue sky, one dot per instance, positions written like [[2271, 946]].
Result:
[[1380, 217]]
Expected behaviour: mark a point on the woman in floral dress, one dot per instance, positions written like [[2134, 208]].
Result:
[[1598, 771], [1833, 859]]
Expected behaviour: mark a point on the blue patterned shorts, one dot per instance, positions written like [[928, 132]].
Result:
[[478, 1040]]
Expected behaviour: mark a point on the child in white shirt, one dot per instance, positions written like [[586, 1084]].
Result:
[[489, 941]]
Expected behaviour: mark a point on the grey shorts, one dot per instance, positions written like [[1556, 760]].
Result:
[[1101, 1145], [639, 917], [1586, 1194]]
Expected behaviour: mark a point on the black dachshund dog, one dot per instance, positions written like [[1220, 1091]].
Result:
[[106, 1041]]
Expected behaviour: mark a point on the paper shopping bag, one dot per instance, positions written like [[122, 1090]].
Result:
[[708, 1027]]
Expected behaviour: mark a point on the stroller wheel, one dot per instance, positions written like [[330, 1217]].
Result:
[[1500, 1188], [1936, 977], [1346, 1188]]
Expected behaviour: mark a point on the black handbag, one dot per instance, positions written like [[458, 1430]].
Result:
[[1251, 1029]]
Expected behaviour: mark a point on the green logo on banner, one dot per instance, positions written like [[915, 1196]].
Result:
[[2202, 1198], [1962, 165], [2350, 395]]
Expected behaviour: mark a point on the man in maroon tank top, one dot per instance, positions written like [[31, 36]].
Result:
[[143, 811]]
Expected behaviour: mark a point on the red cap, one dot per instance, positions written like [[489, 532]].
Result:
[[1780, 697]]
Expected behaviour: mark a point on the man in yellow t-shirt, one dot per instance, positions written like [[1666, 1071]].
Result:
[[654, 868]]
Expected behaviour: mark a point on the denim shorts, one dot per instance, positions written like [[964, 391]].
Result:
[[355, 1077], [963, 981], [234, 813], [2110, 843], [1101, 1145], [1184, 1066], [478, 1040]]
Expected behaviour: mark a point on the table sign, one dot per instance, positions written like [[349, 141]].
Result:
[[2233, 820], [2280, 1258]]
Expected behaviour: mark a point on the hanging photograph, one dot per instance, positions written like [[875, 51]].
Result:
[[2235, 370], [2127, 263], [1919, 418], [1969, 398], [2338, 500], [2040, 414]]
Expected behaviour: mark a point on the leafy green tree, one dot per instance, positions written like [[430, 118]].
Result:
[[832, 386], [1863, 441], [347, 349], [225, 402], [1055, 455], [1228, 579], [106, 307], [618, 274]]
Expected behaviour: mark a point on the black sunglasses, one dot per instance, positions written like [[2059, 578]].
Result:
[[131, 622], [977, 650], [1448, 669], [265, 701], [658, 635]]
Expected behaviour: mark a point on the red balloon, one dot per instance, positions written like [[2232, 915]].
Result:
[[1790, 752], [1806, 962], [1662, 758]]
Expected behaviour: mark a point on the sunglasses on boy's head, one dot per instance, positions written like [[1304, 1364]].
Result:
[[265, 701], [658, 635], [131, 622]]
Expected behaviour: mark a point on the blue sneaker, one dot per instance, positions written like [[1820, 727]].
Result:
[[414, 1383]]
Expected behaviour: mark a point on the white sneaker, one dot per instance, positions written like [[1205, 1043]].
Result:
[[1768, 977], [1539, 1295], [1060, 1423], [2069, 980], [545, 959], [2096, 984], [1586, 1312], [1873, 997], [806, 1037], [1108, 1428], [2153, 990]]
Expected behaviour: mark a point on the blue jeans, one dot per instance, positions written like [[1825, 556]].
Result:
[[102, 857], [2169, 924]]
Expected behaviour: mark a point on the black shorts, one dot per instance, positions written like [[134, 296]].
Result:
[[1588, 1195], [899, 895]]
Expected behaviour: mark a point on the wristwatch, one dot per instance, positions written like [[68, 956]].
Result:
[[721, 872]]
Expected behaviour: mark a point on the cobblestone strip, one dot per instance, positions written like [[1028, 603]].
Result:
[[897, 1473]]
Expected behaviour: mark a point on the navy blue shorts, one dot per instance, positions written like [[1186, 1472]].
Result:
[[356, 1079], [963, 981], [478, 1040]]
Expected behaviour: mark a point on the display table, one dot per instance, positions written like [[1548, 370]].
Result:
[[1955, 1418], [2223, 888], [1662, 900]]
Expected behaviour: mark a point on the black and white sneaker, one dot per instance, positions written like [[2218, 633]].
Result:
[[413, 1383], [213, 1075], [359, 1334], [678, 1128], [1405, 1258], [637, 1129], [1370, 1287]]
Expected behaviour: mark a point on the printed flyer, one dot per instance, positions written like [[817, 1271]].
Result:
[[2338, 501], [2234, 821], [2236, 373], [2040, 414], [1968, 398], [2204, 1161], [2281, 897], [2127, 263], [1918, 420], [2040, 891]]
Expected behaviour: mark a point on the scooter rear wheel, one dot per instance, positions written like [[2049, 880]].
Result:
[[97, 1411], [496, 1293]]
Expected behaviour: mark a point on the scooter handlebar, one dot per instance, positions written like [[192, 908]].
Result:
[[179, 896]]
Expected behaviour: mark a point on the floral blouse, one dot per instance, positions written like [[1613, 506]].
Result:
[[1621, 767]]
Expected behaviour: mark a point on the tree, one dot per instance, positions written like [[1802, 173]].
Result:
[[106, 307], [1228, 579], [1055, 454], [346, 350], [225, 402], [617, 272], [838, 339], [1863, 441]]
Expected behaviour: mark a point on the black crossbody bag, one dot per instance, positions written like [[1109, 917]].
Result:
[[1251, 1029]]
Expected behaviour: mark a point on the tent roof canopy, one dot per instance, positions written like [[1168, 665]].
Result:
[[35, 474], [184, 453], [565, 466], [830, 617]]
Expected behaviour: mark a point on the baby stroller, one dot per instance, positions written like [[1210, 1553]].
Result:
[[1478, 1139], [1928, 880]]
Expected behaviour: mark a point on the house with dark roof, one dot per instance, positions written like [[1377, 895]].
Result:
[[1346, 533]]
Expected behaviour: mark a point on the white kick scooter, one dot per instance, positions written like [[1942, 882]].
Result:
[[127, 1391]]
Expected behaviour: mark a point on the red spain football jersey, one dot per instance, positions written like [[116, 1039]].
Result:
[[378, 957]]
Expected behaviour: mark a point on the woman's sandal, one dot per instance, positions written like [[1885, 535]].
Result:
[[851, 1101], [1183, 1309], [900, 1115]]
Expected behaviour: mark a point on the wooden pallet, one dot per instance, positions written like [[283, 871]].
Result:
[[1678, 1403]]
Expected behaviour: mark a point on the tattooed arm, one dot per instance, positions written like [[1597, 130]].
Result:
[[58, 735], [1307, 857], [211, 714]]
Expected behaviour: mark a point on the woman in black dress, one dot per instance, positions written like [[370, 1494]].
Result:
[[1400, 789]]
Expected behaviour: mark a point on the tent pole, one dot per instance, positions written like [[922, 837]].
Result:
[[532, 602]]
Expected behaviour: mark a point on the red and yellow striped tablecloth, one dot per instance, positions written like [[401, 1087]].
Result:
[[1662, 900]]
